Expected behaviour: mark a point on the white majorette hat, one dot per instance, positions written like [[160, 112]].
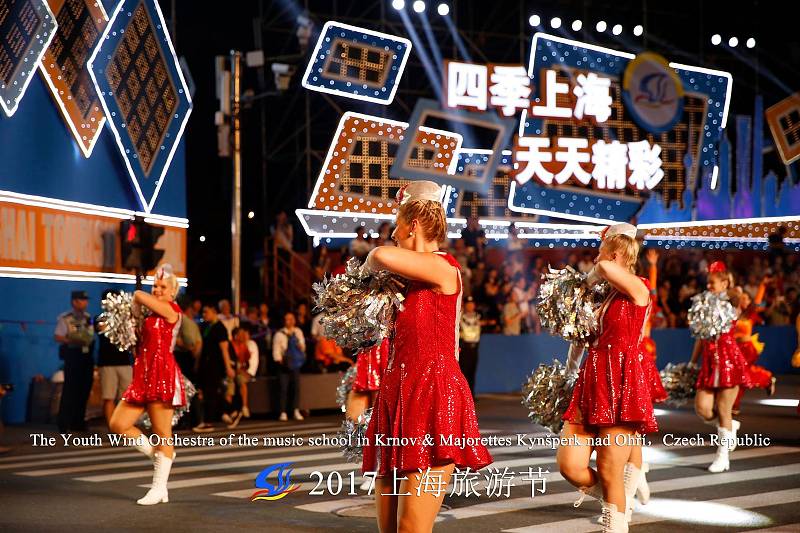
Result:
[[619, 229], [419, 190], [165, 271]]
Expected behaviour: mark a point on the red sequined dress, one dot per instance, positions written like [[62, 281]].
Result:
[[370, 366], [612, 388], [156, 376], [424, 398], [723, 364], [657, 392]]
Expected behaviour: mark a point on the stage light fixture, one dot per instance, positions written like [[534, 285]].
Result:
[[638, 30], [398, 4], [617, 29], [251, 215], [733, 42], [751, 43], [716, 39], [534, 20], [443, 9], [202, 238], [577, 25], [601, 26], [555, 22], [419, 6]]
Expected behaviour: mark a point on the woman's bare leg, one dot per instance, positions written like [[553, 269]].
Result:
[[123, 419], [416, 513], [704, 405], [386, 505], [611, 463], [573, 459], [636, 454], [724, 402], [161, 418]]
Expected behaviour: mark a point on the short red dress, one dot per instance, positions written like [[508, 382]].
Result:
[[370, 365], [424, 398], [613, 386], [156, 375], [723, 364], [657, 392]]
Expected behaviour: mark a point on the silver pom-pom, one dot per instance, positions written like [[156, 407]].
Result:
[[352, 435], [567, 305], [189, 391], [359, 308], [120, 324], [710, 315], [547, 393], [679, 383], [344, 388]]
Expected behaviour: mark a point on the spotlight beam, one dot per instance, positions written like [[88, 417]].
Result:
[[430, 70], [465, 55], [434, 46]]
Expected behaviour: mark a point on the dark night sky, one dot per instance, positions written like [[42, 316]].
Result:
[[679, 30]]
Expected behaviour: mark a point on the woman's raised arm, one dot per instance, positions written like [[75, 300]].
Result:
[[624, 281], [417, 266], [157, 306]]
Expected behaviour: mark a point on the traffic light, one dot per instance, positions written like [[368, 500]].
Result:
[[137, 245], [151, 255], [130, 246]]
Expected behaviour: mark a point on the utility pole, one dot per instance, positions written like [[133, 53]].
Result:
[[236, 212]]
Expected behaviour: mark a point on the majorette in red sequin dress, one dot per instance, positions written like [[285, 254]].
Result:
[[156, 376], [423, 392], [370, 365], [612, 388], [723, 364]]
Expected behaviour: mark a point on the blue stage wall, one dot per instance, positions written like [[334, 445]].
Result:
[[38, 156], [505, 361]]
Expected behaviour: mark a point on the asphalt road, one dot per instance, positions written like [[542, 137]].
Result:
[[94, 486]]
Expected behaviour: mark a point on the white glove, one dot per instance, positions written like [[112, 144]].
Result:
[[368, 267], [574, 357], [593, 278]]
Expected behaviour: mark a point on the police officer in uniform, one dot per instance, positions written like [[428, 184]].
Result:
[[75, 336]]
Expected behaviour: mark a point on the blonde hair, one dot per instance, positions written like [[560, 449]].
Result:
[[626, 247], [430, 215], [723, 276], [166, 273]]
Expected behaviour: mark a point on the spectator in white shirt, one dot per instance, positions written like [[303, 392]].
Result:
[[288, 350]]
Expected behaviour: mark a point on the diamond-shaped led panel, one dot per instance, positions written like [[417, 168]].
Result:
[[26, 29], [355, 176], [784, 123], [143, 92], [80, 25], [357, 63], [354, 189]]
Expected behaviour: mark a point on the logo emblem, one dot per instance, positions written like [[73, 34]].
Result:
[[653, 93], [274, 492]]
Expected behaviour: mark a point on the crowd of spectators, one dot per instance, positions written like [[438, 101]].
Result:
[[503, 276]]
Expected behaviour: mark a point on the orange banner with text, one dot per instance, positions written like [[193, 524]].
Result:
[[49, 238]]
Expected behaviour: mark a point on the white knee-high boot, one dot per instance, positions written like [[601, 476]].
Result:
[[721, 461], [631, 479], [613, 520], [144, 446], [158, 490], [595, 491], [643, 489], [735, 425]]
